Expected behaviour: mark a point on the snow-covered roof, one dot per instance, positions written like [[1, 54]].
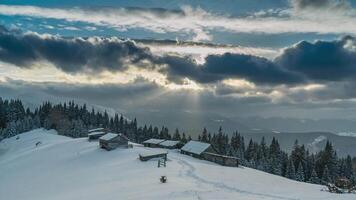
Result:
[[108, 136], [97, 133], [169, 143], [195, 147], [153, 141], [95, 130], [152, 153]]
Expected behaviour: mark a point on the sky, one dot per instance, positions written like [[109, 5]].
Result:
[[163, 61]]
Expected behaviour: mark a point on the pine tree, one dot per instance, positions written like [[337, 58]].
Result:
[[299, 176], [290, 171], [204, 137], [176, 135], [326, 175], [314, 178]]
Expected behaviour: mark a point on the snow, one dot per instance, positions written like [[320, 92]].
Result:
[[96, 129], [62, 168], [152, 153], [195, 147], [108, 136], [96, 133], [153, 141], [169, 143], [313, 146], [348, 134]]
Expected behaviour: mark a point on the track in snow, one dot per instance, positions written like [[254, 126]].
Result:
[[190, 173]]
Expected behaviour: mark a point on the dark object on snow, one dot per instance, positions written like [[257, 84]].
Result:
[[18, 137], [148, 156], [38, 143], [111, 141], [335, 189], [343, 183], [163, 179]]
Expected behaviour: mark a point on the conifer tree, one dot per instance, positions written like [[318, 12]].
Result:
[[299, 176], [290, 171]]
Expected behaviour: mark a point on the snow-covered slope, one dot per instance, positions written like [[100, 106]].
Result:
[[62, 168]]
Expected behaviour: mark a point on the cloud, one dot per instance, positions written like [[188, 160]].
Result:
[[301, 63], [220, 67], [70, 55], [320, 4], [195, 22], [81, 55], [322, 60], [199, 51]]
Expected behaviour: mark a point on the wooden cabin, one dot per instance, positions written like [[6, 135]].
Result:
[[153, 143], [95, 135], [169, 144], [150, 155], [196, 149], [221, 159], [112, 141]]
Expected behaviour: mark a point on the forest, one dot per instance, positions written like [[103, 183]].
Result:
[[73, 120]]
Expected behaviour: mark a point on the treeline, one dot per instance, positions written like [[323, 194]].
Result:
[[75, 120], [301, 165]]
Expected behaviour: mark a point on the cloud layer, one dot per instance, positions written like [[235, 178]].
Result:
[[301, 63], [199, 23], [70, 55]]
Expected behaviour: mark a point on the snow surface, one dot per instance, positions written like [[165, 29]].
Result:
[[96, 133], [153, 141], [348, 134], [96, 129], [195, 147], [108, 136], [169, 143], [62, 168]]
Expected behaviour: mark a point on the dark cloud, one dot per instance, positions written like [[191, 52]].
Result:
[[301, 4], [219, 67], [70, 55], [98, 54], [301, 63], [322, 60]]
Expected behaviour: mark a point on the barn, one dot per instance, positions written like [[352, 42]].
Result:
[[221, 159], [111, 141], [170, 144], [153, 143], [196, 149]]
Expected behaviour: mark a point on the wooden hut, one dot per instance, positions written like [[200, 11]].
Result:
[[150, 155], [153, 143], [221, 159], [111, 141], [170, 144], [95, 135], [196, 149]]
